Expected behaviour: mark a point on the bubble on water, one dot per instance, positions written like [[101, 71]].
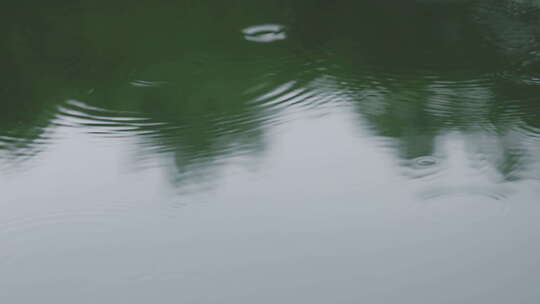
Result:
[[265, 33]]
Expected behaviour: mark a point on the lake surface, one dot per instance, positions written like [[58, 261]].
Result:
[[284, 151]]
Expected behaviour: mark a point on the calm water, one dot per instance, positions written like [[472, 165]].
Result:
[[286, 151]]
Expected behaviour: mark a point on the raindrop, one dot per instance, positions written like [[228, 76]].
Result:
[[265, 33], [422, 167], [425, 161]]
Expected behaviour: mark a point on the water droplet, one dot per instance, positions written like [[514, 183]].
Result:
[[265, 33]]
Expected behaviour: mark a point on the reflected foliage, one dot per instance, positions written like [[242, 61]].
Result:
[[181, 78], [418, 71]]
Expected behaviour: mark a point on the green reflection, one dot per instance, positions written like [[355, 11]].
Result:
[[183, 78]]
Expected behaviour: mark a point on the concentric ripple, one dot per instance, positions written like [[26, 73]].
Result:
[[103, 121], [265, 33]]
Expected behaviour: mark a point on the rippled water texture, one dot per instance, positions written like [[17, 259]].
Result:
[[270, 152]]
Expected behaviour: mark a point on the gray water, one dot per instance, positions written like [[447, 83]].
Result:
[[284, 151]]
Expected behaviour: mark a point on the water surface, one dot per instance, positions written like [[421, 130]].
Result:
[[270, 152]]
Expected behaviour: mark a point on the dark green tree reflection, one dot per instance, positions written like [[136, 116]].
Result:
[[201, 81], [179, 75], [421, 69]]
